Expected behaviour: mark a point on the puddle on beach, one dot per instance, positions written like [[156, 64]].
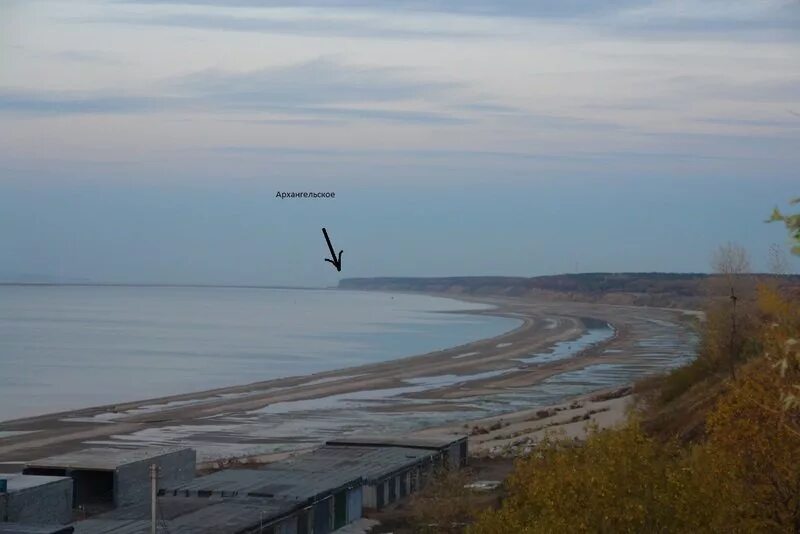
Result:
[[361, 399], [291, 425], [567, 349], [441, 381], [112, 417], [336, 402]]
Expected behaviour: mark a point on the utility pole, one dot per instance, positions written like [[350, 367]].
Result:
[[153, 498], [734, 349]]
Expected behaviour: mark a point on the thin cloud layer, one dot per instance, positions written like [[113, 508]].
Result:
[[619, 79], [321, 89], [365, 27], [322, 80], [507, 136], [39, 103], [506, 8], [747, 19]]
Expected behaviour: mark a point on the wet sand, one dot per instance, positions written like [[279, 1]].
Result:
[[560, 351]]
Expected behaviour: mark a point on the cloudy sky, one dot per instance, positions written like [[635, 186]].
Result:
[[144, 141]]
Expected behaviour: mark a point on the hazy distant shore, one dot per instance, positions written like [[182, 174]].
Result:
[[521, 368]]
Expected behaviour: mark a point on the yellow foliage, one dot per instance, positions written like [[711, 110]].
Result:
[[781, 340], [618, 481], [754, 432], [751, 437], [744, 478]]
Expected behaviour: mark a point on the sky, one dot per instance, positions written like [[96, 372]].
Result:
[[144, 141]]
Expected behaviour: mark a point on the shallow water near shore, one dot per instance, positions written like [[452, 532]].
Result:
[[291, 425], [68, 347]]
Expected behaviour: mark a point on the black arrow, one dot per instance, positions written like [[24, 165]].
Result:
[[336, 262]]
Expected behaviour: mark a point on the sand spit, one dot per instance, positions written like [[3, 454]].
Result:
[[508, 373]]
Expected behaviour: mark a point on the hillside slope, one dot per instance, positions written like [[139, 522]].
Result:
[[647, 289]]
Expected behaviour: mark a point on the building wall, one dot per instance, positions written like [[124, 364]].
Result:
[[46, 504], [405, 482], [461, 452], [305, 521], [287, 526], [355, 503], [383, 494], [392, 486], [454, 456], [323, 518], [132, 481], [370, 497], [414, 480], [391, 490]]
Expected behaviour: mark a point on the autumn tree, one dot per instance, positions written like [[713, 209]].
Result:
[[754, 431], [778, 262], [731, 263], [617, 481], [743, 478], [792, 223]]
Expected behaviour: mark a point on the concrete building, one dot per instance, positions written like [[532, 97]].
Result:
[[311, 493], [453, 449], [338, 489], [17, 528], [199, 515], [35, 500], [389, 473], [117, 477], [323, 501]]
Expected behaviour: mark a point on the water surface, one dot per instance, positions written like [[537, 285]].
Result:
[[66, 347]]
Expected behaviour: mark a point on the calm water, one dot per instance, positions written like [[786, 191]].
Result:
[[73, 347]]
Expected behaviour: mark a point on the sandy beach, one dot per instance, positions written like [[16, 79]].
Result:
[[561, 352], [513, 434]]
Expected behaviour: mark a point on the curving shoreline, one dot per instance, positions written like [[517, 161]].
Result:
[[68, 348], [294, 380], [458, 383]]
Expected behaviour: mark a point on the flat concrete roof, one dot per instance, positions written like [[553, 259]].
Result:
[[272, 481], [182, 515], [17, 482], [426, 442], [309, 475], [102, 458], [371, 463], [16, 528], [104, 526]]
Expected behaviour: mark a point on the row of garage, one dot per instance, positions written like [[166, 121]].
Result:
[[311, 493]]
